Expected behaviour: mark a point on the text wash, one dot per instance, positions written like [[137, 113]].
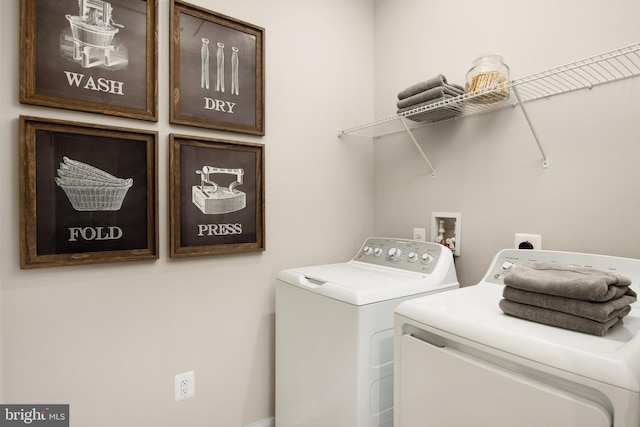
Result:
[[101, 84]]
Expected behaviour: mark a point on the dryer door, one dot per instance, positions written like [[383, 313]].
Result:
[[440, 386]]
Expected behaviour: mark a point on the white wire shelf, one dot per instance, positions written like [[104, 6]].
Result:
[[607, 67]]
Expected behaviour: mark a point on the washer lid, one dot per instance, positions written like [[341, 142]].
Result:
[[358, 283], [473, 313]]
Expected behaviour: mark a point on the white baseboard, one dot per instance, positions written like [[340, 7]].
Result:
[[267, 422]]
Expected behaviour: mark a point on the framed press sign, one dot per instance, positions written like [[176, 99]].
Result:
[[216, 71], [216, 195], [90, 55], [88, 193]]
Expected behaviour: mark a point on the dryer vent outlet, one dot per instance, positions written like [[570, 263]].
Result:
[[527, 241]]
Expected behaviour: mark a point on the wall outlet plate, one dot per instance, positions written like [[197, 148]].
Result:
[[419, 234], [523, 239], [185, 385]]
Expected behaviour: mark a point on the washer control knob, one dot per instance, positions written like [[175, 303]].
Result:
[[368, 250], [427, 258], [377, 251], [413, 256], [507, 266], [394, 253]]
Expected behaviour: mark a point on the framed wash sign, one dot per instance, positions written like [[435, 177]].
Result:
[[216, 196], [90, 55], [88, 193], [216, 72]]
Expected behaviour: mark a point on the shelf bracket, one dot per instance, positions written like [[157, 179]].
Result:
[[433, 171], [545, 159]]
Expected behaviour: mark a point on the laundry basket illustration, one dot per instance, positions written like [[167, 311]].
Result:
[[91, 189]]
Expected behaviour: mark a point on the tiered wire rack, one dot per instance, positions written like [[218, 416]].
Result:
[[597, 70]]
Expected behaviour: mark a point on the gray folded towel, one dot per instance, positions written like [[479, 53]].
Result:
[[434, 115], [598, 311], [429, 94], [559, 319], [569, 281], [415, 89]]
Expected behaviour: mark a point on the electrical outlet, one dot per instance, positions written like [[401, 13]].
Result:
[[527, 241], [185, 385], [419, 234]]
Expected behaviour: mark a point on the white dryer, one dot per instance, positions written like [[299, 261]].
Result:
[[461, 362], [334, 331]]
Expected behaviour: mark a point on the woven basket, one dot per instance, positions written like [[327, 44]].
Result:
[[96, 198], [91, 189]]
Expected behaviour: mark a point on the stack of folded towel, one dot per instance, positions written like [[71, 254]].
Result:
[[429, 92], [571, 297]]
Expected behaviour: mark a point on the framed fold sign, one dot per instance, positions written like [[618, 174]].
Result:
[[216, 195], [90, 55], [88, 193], [216, 71]]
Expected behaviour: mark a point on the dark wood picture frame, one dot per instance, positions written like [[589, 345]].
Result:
[[90, 55], [216, 196], [88, 193], [208, 90]]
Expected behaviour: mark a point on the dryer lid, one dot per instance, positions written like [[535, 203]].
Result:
[[472, 313], [359, 283]]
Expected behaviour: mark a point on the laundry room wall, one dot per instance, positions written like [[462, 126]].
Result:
[[109, 339], [488, 167]]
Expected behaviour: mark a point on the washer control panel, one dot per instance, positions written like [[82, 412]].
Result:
[[411, 255], [508, 260]]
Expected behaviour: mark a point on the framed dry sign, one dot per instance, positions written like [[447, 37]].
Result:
[[217, 196], [90, 55], [216, 72], [88, 193]]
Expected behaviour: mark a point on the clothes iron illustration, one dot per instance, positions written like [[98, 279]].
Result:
[[212, 198]]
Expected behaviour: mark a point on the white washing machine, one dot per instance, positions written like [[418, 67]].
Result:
[[460, 361], [334, 331]]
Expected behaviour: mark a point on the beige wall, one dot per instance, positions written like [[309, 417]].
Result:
[[489, 167], [108, 339]]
